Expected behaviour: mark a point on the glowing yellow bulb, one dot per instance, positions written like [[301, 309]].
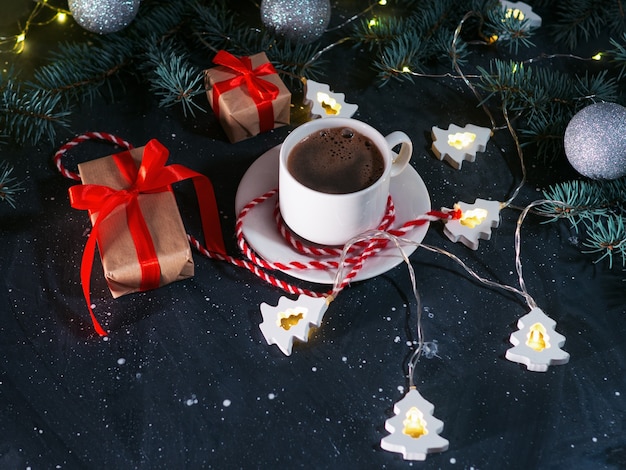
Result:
[[20, 43], [598, 56], [537, 338], [373, 22], [414, 424], [461, 139], [473, 218], [286, 320], [492, 39], [514, 13], [329, 103], [382, 2], [406, 69], [61, 17]]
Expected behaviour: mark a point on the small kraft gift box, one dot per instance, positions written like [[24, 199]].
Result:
[[136, 223], [247, 95]]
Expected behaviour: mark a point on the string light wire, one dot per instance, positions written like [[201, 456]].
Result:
[[455, 64], [18, 40], [373, 236]]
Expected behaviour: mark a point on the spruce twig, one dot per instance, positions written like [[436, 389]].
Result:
[[596, 206], [9, 187], [173, 78], [29, 115], [608, 239]]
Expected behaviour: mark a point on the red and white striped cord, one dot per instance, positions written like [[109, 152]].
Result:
[[317, 250], [58, 156], [369, 248]]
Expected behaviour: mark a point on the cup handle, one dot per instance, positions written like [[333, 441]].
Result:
[[401, 159]]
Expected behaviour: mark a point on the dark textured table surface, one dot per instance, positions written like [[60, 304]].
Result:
[[185, 378]]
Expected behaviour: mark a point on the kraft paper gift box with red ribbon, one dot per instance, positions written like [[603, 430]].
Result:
[[136, 222], [247, 95]]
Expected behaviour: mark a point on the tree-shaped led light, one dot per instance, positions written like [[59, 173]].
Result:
[[291, 320], [536, 343], [475, 223], [414, 430], [324, 103], [457, 144]]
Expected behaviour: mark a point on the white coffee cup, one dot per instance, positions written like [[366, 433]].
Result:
[[333, 219]]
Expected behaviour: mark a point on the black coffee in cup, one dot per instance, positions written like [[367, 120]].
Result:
[[336, 160]]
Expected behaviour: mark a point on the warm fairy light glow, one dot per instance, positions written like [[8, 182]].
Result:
[[20, 43], [537, 338], [329, 103], [16, 43], [373, 22], [492, 39], [324, 102], [461, 140], [290, 318], [473, 218], [521, 12], [536, 343], [406, 69], [414, 424], [382, 2], [598, 56], [515, 13]]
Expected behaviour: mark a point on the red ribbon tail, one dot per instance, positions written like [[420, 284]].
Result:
[[211, 226], [86, 266]]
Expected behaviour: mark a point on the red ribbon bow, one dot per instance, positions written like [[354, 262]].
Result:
[[261, 91], [151, 177]]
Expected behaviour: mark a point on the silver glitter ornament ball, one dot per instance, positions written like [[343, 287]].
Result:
[[103, 16], [298, 20], [595, 141]]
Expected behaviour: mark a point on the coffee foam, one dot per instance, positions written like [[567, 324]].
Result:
[[349, 161]]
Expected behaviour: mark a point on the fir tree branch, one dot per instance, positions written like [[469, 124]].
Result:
[[545, 130], [295, 60], [618, 54], [380, 31], [599, 208], [157, 21], [78, 71], [9, 187], [32, 114], [544, 99], [584, 200], [509, 29], [217, 27], [579, 19], [596, 88], [402, 55], [607, 238], [173, 78]]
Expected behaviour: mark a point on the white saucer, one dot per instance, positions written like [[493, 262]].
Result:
[[259, 228]]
